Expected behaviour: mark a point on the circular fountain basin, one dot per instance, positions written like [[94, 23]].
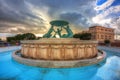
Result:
[[58, 63], [58, 52]]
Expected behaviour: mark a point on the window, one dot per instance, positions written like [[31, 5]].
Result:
[[98, 36], [102, 36], [109, 37], [101, 29], [105, 36]]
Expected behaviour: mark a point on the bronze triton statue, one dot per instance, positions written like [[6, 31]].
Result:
[[60, 25]]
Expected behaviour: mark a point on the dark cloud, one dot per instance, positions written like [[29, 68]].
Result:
[[34, 15], [58, 6], [16, 12], [77, 19]]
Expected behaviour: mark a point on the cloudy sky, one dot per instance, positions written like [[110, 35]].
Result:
[[20, 16]]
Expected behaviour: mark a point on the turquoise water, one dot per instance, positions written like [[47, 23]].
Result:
[[108, 69]]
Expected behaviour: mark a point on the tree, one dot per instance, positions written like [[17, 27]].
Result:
[[18, 37], [78, 35], [11, 40], [28, 36], [82, 36]]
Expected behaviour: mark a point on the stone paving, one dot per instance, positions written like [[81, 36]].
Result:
[[4, 49], [114, 49]]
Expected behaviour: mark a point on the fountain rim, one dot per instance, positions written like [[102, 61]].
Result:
[[59, 41]]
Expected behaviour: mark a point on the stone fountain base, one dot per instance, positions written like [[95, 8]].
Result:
[[58, 64], [58, 52], [59, 49]]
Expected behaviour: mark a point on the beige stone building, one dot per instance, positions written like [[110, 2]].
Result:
[[3, 38], [100, 33]]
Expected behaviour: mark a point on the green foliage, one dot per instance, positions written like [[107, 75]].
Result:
[[18, 37], [82, 36], [28, 36], [78, 35]]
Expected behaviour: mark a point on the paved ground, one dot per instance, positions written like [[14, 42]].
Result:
[[3, 49], [114, 49]]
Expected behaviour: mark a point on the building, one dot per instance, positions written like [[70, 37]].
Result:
[[117, 36], [100, 33], [3, 38]]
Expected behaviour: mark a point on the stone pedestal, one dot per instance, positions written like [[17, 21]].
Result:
[[59, 49]]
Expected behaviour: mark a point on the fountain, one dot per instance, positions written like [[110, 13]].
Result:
[[58, 50]]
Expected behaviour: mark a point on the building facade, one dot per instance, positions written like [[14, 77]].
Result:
[[3, 38], [117, 37], [100, 33]]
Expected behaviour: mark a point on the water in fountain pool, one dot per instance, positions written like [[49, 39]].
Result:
[[108, 69]]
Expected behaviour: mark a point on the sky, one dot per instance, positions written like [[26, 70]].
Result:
[[21, 16]]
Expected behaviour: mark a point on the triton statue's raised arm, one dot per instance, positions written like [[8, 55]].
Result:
[[48, 34], [68, 30], [60, 25]]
